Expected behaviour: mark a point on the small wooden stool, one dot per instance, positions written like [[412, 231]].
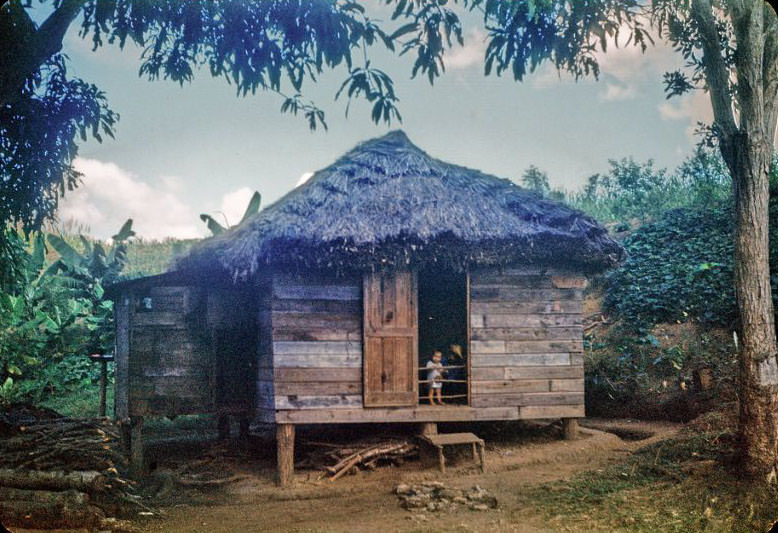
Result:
[[451, 439]]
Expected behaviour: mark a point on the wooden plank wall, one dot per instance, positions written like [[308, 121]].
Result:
[[526, 341], [265, 398], [315, 359], [169, 370], [121, 356]]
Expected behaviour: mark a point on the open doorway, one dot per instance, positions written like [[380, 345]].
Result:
[[443, 327]]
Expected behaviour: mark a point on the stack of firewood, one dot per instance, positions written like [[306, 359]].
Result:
[[338, 460], [58, 472]]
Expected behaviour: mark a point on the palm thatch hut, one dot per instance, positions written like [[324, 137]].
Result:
[[326, 306]]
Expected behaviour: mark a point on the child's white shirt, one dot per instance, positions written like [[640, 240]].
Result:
[[434, 374]]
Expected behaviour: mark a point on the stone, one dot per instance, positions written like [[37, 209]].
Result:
[[403, 488], [449, 493]]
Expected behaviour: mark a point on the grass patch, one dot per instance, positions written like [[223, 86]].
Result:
[[678, 485], [80, 402]]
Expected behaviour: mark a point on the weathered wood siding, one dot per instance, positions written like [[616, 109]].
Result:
[[193, 351], [170, 366], [526, 341], [265, 391], [315, 358], [122, 357]]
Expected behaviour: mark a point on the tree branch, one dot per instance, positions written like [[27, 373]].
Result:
[[716, 71], [770, 70], [51, 33], [36, 47], [748, 22]]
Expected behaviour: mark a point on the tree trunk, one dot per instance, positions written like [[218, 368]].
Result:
[[758, 366], [746, 146], [86, 481], [748, 152], [38, 515]]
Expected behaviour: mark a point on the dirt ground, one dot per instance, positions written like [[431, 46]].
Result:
[[518, 457]]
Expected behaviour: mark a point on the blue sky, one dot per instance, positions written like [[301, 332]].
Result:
[[181, 151]]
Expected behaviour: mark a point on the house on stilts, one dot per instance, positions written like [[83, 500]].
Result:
[[325, 306]]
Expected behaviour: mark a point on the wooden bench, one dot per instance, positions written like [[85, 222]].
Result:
[[440, 440]]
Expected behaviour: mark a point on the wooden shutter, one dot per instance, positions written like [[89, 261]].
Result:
[[391, 340]]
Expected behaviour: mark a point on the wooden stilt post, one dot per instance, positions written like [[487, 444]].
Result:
[[103, 384], [125, 434], [428, 428], [285, 453], [137, 466], [244, 425], [223, 427], [570, 428]]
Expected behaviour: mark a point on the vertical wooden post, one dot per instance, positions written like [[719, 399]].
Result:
[[125, 436], [103, 384], [570, 428], [223, 427], [428, 428], [244, 425], [137, 466], [441, 460], [285, 453]]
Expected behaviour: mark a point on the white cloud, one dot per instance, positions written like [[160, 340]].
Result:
[[304, 177], [547, 75], [626, 67], [694, 107], [470, 54], [615, 92], [234, 204], [108, 195]]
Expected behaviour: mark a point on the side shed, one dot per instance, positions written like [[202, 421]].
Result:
[[326, 306]]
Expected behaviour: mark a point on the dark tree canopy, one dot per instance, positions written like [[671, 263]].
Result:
[[274, 46]]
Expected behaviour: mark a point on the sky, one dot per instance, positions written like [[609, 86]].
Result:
[[182, 151]]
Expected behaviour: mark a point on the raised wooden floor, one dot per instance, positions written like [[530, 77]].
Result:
[[420, 414]]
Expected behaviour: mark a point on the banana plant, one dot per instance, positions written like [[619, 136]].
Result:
[[94, 264], [216, 229]]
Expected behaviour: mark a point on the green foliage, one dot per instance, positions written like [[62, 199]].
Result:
[[252, 208], [633, 373], [13, 261], [148, 258], [38, 132], [678, 268], [80, 395], [56, 315], [523, 35], [639, 191], [536, 180]]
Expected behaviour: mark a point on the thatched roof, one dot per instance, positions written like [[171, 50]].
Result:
[[387, 203]]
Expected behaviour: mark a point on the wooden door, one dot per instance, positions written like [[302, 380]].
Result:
[[390, 340]]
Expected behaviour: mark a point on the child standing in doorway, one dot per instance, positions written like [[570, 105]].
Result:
[[434, 377]]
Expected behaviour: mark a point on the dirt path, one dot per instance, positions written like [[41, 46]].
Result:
[[366, 503]]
